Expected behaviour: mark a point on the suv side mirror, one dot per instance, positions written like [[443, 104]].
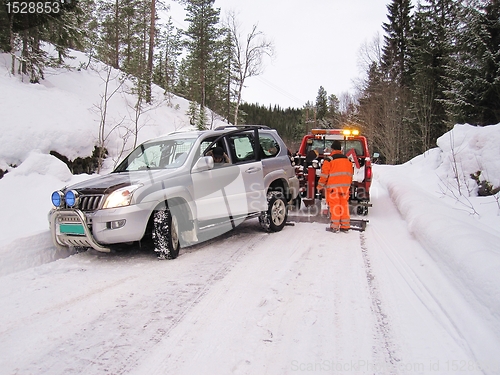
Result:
[[204, 163], [376, 155]]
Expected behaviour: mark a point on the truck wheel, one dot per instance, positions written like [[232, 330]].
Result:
[[296, 203], [165, 234], [362, 210], [274, 219]]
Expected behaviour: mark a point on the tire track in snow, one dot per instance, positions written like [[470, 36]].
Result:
[[102, 314], [385, 349], [428, 296], [111, 362]]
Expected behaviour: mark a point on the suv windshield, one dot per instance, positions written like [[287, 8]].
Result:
[[167, 154]]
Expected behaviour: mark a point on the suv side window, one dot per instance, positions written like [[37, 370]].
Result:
[[270, 148], [203, 146], [241, 146], [209, 141]]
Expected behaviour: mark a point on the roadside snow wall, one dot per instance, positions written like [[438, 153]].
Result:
[[460, 232]]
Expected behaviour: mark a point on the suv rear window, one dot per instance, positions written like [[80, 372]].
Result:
[[269, 146]]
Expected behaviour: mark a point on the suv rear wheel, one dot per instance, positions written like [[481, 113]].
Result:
[[165, 234], [274, 219]]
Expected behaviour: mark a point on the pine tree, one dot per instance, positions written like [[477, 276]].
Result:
[[131, 35], [202, 119], [27, 31], [432, 48], [169, 50], [388, 83], [424, 83], [474, 96], [109, 33], [151, 47], [395, 51], [5, 30], [65, 32], [321, 103], [202, 34], [193, 112], [89, 26], [136, 50], [217, 76]]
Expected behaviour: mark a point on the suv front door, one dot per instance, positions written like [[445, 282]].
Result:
[[246, 154], [229, 192]]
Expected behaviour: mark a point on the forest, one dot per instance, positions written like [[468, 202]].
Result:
[[437, 64]]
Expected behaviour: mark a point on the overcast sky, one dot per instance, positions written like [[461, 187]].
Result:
[[317, 43]]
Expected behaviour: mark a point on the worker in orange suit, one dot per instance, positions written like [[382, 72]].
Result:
[[335, 179]]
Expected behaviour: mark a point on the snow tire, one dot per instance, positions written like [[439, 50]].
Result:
[[362, 210], [274, 219], [165, 234]]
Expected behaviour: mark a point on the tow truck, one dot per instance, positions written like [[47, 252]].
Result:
[[314, 147]]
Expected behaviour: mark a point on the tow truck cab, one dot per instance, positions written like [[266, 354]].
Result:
[[308, 160]]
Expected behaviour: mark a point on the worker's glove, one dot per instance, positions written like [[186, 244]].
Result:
[[322, 192]]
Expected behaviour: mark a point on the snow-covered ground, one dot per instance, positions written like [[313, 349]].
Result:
[[417, 292]]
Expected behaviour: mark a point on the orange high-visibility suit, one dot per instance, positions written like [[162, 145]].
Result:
[[336, 177]]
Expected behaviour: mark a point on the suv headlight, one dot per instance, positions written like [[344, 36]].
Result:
[[121, 197]]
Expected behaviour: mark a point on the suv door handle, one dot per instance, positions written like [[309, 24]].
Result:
[[253, 170]]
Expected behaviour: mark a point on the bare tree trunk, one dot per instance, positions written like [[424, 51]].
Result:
[[25, 53], [238, 101], [137, 115], [150, 52], [12, 49], [423, 103], [228, 99], [102, 108], [116, 60]]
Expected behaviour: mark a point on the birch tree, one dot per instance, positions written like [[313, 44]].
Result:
[[248, 54]]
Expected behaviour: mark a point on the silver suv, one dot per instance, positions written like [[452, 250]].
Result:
[[173, 191]]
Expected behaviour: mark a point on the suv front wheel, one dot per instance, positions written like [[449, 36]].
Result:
[[274, 219], [165, 234]]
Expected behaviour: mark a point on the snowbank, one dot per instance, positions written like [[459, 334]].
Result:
[[42, 164], [460, 232], [63, 112], [468, 149], [25, 195]]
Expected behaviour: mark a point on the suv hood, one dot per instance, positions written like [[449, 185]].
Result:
[[109, 183]]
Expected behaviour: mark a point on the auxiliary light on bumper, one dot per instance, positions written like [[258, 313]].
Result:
[[71, 198], [57, 198]]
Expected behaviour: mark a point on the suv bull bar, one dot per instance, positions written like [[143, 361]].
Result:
[[73, 217]]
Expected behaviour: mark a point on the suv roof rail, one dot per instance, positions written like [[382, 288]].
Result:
[[242, 127]]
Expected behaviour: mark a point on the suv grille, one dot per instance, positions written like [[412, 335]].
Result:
[[90, 202]]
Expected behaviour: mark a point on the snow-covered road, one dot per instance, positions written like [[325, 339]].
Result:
[[299, 301]]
